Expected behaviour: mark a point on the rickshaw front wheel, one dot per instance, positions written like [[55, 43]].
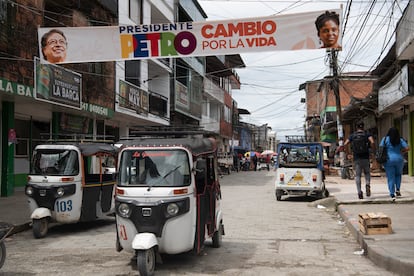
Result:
[[146, 262], [40, 227]]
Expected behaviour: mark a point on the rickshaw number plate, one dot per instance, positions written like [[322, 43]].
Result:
[[42, 192], [298, 176], [146, 212]]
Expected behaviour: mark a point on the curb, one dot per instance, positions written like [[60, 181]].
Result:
[[377, 254]]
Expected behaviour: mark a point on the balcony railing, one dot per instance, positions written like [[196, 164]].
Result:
[[213, 91]]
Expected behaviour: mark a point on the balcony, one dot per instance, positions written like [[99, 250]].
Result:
[[213, 92], [210, 124]]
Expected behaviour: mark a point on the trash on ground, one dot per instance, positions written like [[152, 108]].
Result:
[[359, 252]]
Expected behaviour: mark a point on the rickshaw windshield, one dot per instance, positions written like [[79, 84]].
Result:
[[299, 156], [155, 168], [55, 162]]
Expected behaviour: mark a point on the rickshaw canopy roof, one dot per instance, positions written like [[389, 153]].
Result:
[[86, 149], [196, 145], [95, 148]]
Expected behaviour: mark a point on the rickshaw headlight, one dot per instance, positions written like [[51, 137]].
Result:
[[124, 210], [60, 192], [172, 209], [29, 191]]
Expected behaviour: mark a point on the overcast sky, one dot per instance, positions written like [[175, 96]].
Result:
[[270, 81]]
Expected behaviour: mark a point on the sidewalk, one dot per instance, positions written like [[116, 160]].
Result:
[[394, 252], [15, 210]]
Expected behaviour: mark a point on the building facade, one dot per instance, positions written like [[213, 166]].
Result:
[[116, 97]]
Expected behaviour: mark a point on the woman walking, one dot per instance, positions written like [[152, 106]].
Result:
[[395, 146]]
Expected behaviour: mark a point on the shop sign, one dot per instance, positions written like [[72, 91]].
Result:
[[14, 88], [57, 85]]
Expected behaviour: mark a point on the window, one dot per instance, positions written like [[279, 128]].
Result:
[[134, 10], [133, 72], [162, 168]]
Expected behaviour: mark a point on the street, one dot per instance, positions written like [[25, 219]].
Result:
[[262, 237]]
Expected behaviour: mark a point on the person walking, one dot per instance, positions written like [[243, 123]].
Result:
[[254, 158], [361, 142], [395, 146]]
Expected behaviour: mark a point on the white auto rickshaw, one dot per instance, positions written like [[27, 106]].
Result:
[[299, 170], [70, 183], [167, 198]]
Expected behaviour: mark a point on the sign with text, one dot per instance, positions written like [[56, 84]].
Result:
[[310, 30], [57, 85], [132, 97]]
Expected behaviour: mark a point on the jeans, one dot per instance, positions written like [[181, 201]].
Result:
[[393, 171], [362, 165]]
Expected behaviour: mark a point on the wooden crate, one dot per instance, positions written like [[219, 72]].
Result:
[[374, 223]]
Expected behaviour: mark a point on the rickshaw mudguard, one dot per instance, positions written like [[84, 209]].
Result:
[[219, 217], [144, 241], [40, 213]]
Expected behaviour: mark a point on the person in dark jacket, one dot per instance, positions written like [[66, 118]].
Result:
[[361, 159]]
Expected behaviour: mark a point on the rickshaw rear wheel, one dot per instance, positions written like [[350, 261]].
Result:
[[40, 227], [218, 236], [2, 254], [146, 262]]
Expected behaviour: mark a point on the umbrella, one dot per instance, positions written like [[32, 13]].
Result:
[[267, 152], [252, 153]]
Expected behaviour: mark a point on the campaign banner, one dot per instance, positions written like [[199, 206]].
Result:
[[57, 85], [310, 30]]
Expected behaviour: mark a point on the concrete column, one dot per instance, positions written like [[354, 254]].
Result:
[[7, 155]]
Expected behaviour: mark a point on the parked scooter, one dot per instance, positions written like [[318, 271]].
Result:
[[5, 230], [71, 182], [167, 198]]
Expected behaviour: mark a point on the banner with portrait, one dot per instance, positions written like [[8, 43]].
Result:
[[310, 30]]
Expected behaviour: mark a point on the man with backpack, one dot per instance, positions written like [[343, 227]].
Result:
[[361, 141]]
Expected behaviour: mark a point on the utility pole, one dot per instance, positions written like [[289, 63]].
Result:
[[335, 88]]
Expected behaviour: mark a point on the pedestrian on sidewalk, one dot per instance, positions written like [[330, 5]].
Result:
[[361, 142], [395, 146]]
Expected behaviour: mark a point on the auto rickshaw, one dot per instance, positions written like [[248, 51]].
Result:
[[70, 183], [299, 170], [167, 197]]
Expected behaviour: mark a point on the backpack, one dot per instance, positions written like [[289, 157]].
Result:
[[360, 143]]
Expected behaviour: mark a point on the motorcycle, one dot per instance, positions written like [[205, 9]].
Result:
[[167, 198], [70, 183], [5, 230]]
